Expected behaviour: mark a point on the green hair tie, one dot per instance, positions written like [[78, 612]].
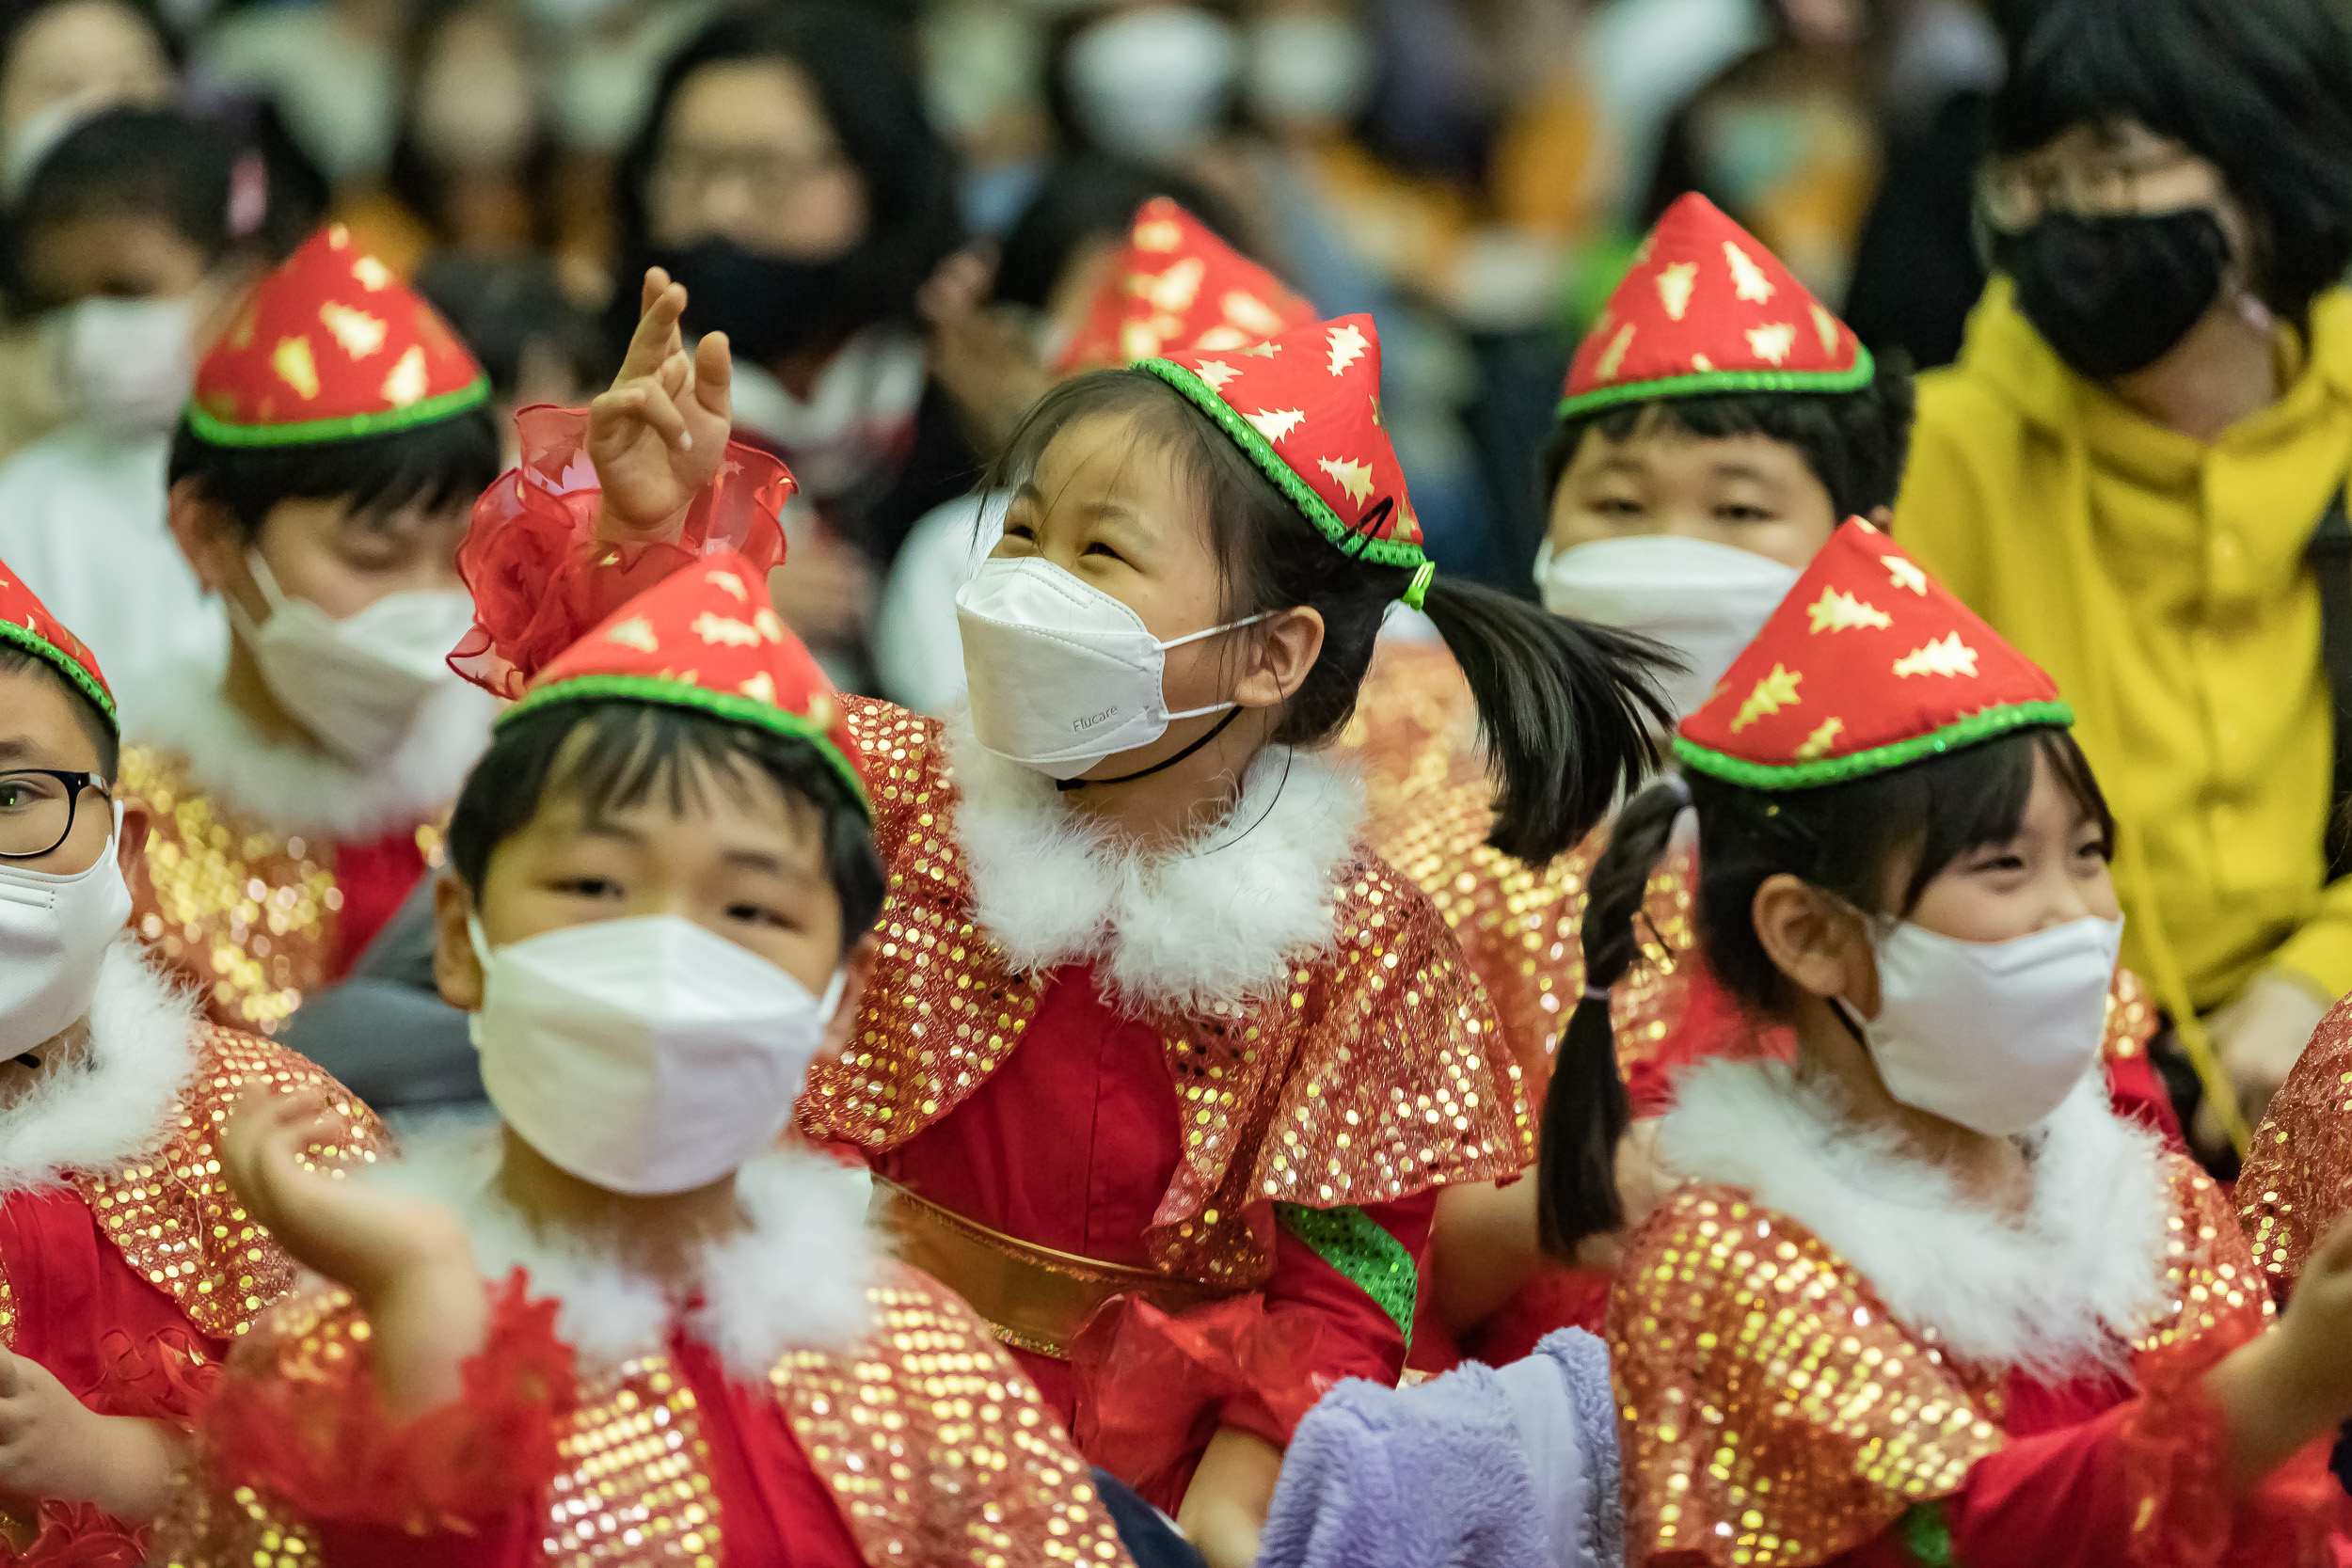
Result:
[[1418, 590]]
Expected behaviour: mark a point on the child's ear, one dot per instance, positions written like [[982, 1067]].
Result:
[[207, 535], [856, 970], [131, 847], [1816, 941], [455, 969], [1291, 642]]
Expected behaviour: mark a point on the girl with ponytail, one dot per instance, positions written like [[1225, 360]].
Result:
[[1923, 1297]]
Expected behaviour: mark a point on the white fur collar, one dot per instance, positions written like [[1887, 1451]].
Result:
[[797, 1279], [1205, 928], [2055, 1293], [295, 786], [100, 1113]]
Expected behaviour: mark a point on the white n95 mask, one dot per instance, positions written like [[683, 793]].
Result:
[[646, 1056], [1990, 1035], [1705, 601], [54, 931], [1061, 674], [356, 682]]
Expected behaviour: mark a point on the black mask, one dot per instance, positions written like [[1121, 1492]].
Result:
[[2113, 295], [767, 305]]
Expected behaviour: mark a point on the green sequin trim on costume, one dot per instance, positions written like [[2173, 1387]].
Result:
[[41, 648], [738, 710], [1352, 1242], [1386, 552], [1928, 1536], [220, 432], [1973, 730], [1703, 381]]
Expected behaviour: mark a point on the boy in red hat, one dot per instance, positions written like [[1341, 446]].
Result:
[[320, 480], [127, 1267], [627, 1326], [1922, 1296]]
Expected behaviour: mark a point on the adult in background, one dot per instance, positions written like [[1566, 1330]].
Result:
[[788, 178], [2136, 466]]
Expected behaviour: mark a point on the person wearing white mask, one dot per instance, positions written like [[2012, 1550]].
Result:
[[320, 480], [120, 1285], [662, 885], [131, 252]]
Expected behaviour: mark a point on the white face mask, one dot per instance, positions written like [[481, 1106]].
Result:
[[1152, 85], [356, 682], [1990, 1035], [1061, 674], [1307, 69], [127, 364], [54, 931], [1706, 601], [646, 1056]]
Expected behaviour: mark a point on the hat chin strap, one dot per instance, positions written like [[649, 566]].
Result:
[[1212, 732]]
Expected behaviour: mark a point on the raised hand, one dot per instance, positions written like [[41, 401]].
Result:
[[659, 432]]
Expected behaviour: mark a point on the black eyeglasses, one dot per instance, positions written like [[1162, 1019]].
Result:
[[37, 807]]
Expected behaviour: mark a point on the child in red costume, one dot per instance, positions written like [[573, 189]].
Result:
[[320, 480], [628, 1327], [126, 1266], [1924, 1296], [1160, 1068]]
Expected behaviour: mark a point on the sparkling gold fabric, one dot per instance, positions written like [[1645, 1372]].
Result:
[[246, 913], [2297, 1181], [170, 1211], [937, 1449], [1378, 1073], [1773, 1413]]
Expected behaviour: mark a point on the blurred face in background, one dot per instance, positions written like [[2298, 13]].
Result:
[[88, 52], [747, 156]]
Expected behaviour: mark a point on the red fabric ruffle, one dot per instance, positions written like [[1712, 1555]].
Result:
[[540, 578], [76, 1535], [319, 1441], [2186, 1515], [166, 1377], [1153, 1388]]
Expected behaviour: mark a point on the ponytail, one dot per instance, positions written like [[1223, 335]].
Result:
[[1585, 1109], [1569, 712]]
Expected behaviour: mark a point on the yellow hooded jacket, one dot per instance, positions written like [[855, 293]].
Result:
[[2163, 581]]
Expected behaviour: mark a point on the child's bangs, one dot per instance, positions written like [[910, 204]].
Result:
[[622, 756], [1979, 797]]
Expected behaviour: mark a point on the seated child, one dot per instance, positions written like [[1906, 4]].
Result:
[[126, 1265], [627, 1321], [320, 480], [1924, 1296]]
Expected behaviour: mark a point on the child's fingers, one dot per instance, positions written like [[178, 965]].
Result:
[[647, 400], [714, 374], [657, 336], [2334, 1253], [657, 283]]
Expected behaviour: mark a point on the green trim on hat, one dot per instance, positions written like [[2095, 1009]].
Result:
[[1386, 552], [220, 432], [41, 648], [1973, 730], [722, 705], [1699, 383]]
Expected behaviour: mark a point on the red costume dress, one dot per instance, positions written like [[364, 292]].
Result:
[[2297, 1181], [127, 1268]]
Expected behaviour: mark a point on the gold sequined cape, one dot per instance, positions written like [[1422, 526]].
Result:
[[1377, 1075], [1773, 1413], [937, 1451], [170, 1211], [2297, 1181]]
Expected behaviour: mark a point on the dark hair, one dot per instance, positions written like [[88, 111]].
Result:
[[1844, 838], [157, 161], [100, 730], [504, 306], [1087, 198], [1855, 442], [612, 753], [434, 465], [868, 93], [1567, 709], [2261, 87]]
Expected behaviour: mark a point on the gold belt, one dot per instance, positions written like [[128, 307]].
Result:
[[1035, 1298]]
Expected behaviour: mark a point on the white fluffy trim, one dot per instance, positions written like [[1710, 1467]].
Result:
[[96, 1115], [2055, 1292], [294, 786], [796, 1279], [1212, 925]]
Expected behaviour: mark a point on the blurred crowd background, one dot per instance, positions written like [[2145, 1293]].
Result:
[[893, 206]]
